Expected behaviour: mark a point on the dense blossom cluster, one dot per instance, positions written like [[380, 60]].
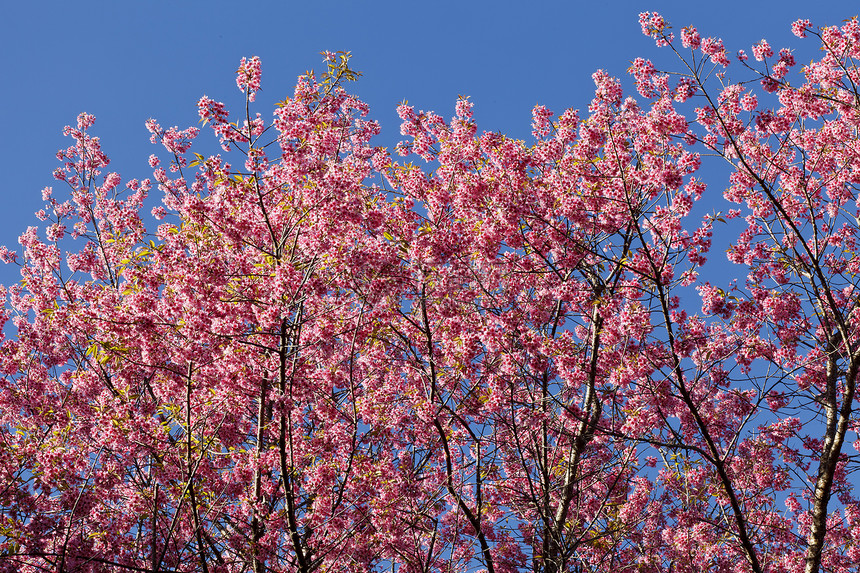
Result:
[[502, 358]]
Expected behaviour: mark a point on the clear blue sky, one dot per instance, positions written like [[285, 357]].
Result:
[[127, 61]]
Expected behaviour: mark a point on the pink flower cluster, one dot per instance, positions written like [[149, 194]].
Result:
[[248, 77], [799, 27]]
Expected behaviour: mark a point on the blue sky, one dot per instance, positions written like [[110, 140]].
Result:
[[127, 61]]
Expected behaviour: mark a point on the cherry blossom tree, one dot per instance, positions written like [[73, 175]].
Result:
[[795, 175], [471, 353]]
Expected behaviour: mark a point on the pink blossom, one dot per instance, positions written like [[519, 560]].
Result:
[[541, 122], [799, 27], [713, 47], [655, 26], [762, 50], [248, 77], [690, 38], [85, 120]]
